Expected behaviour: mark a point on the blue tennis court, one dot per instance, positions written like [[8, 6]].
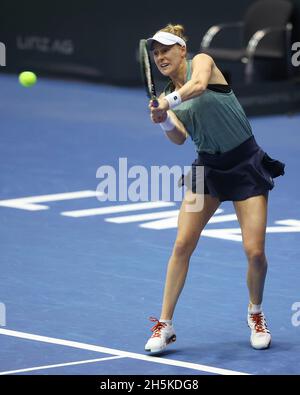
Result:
[[80, 277]]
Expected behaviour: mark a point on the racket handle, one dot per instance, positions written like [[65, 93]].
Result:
[[154, 102]]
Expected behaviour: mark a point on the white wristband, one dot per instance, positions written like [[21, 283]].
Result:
[[174, 99], [168, 124]]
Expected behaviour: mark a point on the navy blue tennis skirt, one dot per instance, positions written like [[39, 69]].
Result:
[[237, 174]]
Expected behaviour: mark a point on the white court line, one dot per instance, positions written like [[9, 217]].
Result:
[[173, 214], [59, 365], [29, 202], [112, 351], [121, 208], [143, 217], [172, 222]]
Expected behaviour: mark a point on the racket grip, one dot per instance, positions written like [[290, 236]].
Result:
[[155, 103]]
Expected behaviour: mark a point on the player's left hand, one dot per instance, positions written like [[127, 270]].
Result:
[[159, 114], [163, 105]]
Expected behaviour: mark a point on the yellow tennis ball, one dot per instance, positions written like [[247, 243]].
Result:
[[27, 78]]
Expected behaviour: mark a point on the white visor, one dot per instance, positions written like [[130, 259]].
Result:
[[166, 39]]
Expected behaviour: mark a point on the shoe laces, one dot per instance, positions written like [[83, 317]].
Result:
[[259, 322], [156, 329]]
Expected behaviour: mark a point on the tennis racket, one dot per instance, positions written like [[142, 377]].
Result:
[[146, 72]]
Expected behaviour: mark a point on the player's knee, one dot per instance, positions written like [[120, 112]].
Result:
[[184, 247], [256, 255]]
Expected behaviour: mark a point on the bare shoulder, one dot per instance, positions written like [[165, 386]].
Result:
[[203, 58], [204, 62]]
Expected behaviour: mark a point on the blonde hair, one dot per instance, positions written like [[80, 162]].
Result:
[[178, 30]]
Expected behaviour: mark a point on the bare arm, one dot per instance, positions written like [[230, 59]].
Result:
[[202, 66], [178, 134]]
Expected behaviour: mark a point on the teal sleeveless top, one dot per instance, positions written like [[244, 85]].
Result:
[[215, 121]]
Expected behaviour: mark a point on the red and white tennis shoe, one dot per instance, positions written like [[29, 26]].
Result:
[[163, 334], [260, 335]]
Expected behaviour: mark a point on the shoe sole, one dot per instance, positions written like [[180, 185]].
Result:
[[261, 348], [172, 339]]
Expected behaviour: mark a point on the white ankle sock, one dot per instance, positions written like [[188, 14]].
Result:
[[254, 308], [167, 321]]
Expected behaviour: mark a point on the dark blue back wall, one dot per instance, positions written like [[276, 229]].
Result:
[[99, 39]]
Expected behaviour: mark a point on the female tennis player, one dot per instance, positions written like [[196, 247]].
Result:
[[199, 103]]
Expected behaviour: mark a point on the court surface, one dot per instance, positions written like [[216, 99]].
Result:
[[80, 277]]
